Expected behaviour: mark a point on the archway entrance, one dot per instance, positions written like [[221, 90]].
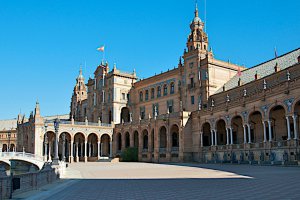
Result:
[[125, 115], [237, 130], [145, 140], [92, 148], [79, 147], [163, 138], [175, 137], [105, 145], [256, 127], [64, 145], [206, 131], [221, 132], [278, 124]]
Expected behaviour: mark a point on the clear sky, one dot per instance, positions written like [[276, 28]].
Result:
[[43, 43]]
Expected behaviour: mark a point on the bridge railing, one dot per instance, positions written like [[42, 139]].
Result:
[[21, 154]]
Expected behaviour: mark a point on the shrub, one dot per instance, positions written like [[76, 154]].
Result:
[[130, 154]]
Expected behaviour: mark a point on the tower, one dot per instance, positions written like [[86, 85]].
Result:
[[79, 95]]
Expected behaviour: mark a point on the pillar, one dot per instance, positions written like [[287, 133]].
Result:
[[90, 147], [98, 150], [295, 127], [76, 153], [265, 132], [71, 152], [216, 139], [110, 149], [55, 159], [63, 157], [231, 136], [288, 127], [201, 139], [49, 159], [245, 136], [101, 149], [85, 151], [270, 131], [227, 137], [81, 149], [212, 137], [45, 151], [249, 134]]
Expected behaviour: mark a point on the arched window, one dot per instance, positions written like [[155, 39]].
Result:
[[298, 59], [158, 91], [146, 95], [152, 93], [165, 90], [172, 88], [141, 96]]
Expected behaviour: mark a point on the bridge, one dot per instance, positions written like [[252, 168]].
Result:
[[22, 156]]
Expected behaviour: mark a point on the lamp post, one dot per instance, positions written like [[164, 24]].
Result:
[[9, 136], [56, 127]]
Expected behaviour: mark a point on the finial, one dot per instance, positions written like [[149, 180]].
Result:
[[196, 9], [115, 66]]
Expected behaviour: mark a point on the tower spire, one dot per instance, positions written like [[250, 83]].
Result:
[[196, 9]]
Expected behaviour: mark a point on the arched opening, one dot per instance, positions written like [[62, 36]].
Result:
[[125, 115], [175, 137], [256, 127], [105, 145], [127, 140], [206, 134], [145, 139], [64, 146], [50, 142], [79, 146], [4, 147], [119, 141], [163, 138], [152, 140], [278, 124], [12, 147], [221, 132], [237, 130], [92, 148], [172, 88], [296, 120], [136, 139]]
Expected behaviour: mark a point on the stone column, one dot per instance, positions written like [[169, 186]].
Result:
[[295, 127], [288, 127], [245, 136], [49, 159], [265, 132], [216, 138], [71, 152], [90, 145], [212, 137], [85, 151], [101, 149], [77, 156], [110, 149], [63, 157], [45, 150], [270, 131], [227, 137], [249, 134], [231, 136], [98, 150], [55, 159], [201, 139]]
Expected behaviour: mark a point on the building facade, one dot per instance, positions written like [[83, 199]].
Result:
[[8, 135], [204, 110]]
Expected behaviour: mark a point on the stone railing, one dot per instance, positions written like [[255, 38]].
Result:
[[26, 182]]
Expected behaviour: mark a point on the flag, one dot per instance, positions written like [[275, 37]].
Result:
[[239, 73], [101, 49]]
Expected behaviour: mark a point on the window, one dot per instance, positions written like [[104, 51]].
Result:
[[170, 106], [191, 65], [141, 96], [155, 106], [152, 93], [158, 91], [123, 96], [142, 112], [192, 82], [192, 100], [165, 90], [146, 95], [172, 88]]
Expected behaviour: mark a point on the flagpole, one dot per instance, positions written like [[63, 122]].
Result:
[[103, 55]]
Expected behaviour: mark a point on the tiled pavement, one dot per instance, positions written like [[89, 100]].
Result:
[[185, 181]]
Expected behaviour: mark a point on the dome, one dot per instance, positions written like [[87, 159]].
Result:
[[197, 19]]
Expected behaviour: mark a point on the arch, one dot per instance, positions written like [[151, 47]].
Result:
[[125, 115], [172, 88], [92, 142], [256, 126], [206, 131], [119, 141], [278, 123], [79, 140], [127, 140], [145, 139], [296, 119], [221, 132], [105, 145], [4, 147], [163, 137], [50, 141], [12, 147], [237, 129], [136, 139], [67, 148], [175, 135]]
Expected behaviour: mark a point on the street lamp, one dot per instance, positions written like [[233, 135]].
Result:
[[9, 136], [56, 127]]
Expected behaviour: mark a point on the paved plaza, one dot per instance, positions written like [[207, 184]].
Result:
[[175, 181]]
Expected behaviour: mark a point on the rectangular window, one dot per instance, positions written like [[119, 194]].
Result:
[[146, 95], [192, 100], [142, 112], [123, 96], [152, 93]]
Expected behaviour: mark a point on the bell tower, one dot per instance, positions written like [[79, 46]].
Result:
[[197, 40]]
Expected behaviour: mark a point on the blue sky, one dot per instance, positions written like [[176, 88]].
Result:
[[43, 43]]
